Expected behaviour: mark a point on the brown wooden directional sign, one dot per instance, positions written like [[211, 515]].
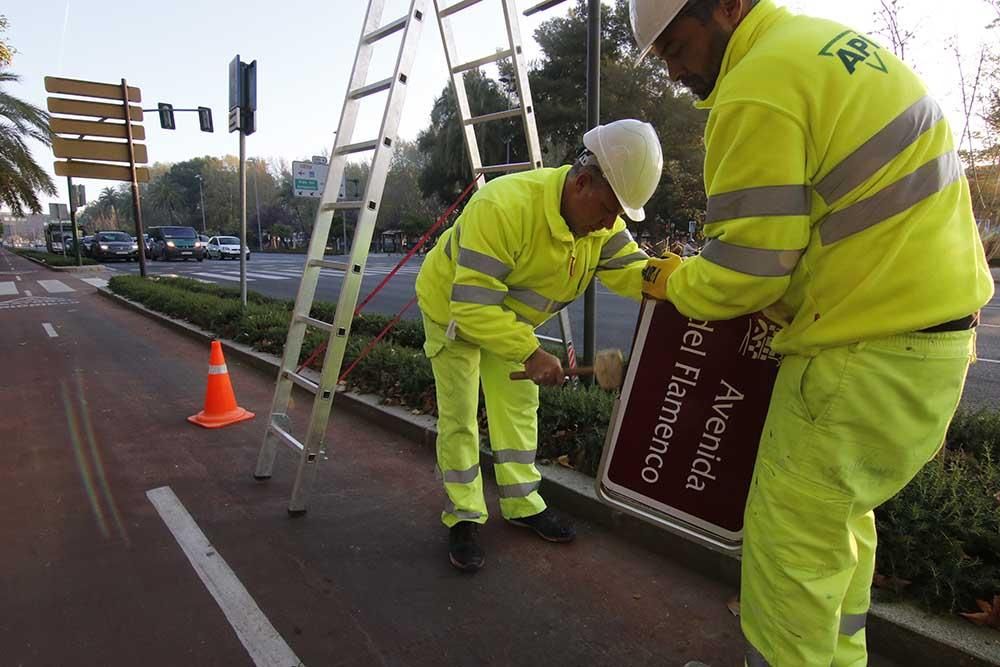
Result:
[[95, 129], [96, 109], [110, 172], [111, 151], [109, 91]]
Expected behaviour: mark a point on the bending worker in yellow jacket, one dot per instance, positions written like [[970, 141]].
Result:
[[837, 202], [525, 247]]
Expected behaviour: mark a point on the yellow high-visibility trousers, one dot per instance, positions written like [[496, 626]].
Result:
[[511, 412], [846, 431]]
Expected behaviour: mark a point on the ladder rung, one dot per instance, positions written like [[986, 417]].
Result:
[[500, 115], [358, 148], [308, 385], [541, 7], [327, 264], [473, 64], [286, 437], [313, 322], [386, 30], [370, 89], [342, 205], [504, 168], [457, 7]]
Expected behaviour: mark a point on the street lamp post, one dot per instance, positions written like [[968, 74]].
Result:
[[201, 195]]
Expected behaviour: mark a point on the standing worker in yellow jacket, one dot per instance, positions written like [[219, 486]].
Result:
[[525, 247], [837, 202]]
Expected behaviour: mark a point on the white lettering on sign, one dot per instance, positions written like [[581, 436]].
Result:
[[684, 376], [707, 457]]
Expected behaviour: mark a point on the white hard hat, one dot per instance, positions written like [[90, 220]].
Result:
[[629, 155], [650, 18]]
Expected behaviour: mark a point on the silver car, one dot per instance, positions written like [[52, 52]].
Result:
[[225, 247]]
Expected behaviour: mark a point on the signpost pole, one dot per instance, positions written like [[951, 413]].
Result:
[[72, 219], [243, 217], [139, 236]]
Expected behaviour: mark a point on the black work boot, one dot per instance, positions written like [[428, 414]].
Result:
[[464, 551], [549, 524]]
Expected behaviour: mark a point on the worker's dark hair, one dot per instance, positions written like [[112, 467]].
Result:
[[699, 9]]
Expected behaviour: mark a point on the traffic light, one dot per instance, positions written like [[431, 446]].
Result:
[[166, 116], [79, 196], [205, 119]]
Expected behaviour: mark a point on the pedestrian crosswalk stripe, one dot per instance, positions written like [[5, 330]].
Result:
[[222, 277], [96, 282], [55, 286], [8, 288], [267, 276]]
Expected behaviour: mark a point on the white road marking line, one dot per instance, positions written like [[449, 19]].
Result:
[[222, 277], [50, 330], [18, 278], [989, 361], [96, 282], [994, 326], [266, 276], [255, 632], [8, 288], [27, 293], [55, 286]]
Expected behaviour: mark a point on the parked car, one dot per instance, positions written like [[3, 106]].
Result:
[[106, 246], [85, 244], [166, 243], [225, 247]]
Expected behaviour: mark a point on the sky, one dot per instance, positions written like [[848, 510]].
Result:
[[179, 51]]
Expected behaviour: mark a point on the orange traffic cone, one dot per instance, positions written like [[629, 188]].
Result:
[[220, 402]]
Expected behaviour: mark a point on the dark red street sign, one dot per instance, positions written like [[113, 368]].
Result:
[[683, 439]]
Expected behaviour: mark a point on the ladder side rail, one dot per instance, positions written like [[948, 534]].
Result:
[[523, 86], [351, 286], [317, 245], [461, 97]]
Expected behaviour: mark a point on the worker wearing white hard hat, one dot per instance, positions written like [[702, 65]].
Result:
[[524, 248], [823, 208]]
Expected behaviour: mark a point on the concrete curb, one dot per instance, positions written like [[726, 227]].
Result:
[[901, 631], [71, 269]]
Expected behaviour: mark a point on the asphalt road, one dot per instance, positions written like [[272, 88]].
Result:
[[277, 275]]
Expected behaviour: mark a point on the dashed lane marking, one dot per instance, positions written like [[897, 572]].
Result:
[[8, 288], [96, 282], [50, 330], [255, 632]]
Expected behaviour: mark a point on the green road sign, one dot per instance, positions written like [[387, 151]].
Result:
[[306, 184]]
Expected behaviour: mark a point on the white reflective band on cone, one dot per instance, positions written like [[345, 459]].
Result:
[[217, 370]]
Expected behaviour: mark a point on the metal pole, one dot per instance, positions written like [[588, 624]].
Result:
[[243, 217], [135, 182], [72, 219], [256, 196], [201, 195], [593, 119]]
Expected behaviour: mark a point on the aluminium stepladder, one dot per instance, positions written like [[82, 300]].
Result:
[[312, 449]]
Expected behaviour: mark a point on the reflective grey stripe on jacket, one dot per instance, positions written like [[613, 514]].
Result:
[[772, 200], [461, 476], [752, 261], [517, 490], [477, 261], [482, 296], [514, 456], [880, 150], [851, 623], [905, 193], [533, 299], [622, 262], [614, 244]]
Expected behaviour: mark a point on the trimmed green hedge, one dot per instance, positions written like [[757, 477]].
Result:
[[52, 259], [941, 534]]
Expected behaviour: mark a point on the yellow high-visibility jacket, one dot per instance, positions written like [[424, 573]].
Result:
[[510, 262], [836, 199]]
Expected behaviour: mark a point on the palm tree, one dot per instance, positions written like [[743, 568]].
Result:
[[20, 176], [164, 197]]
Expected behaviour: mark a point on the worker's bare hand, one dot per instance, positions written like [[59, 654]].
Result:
[[544, 369]]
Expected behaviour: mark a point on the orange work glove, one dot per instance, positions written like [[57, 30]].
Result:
[[656, 274]]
